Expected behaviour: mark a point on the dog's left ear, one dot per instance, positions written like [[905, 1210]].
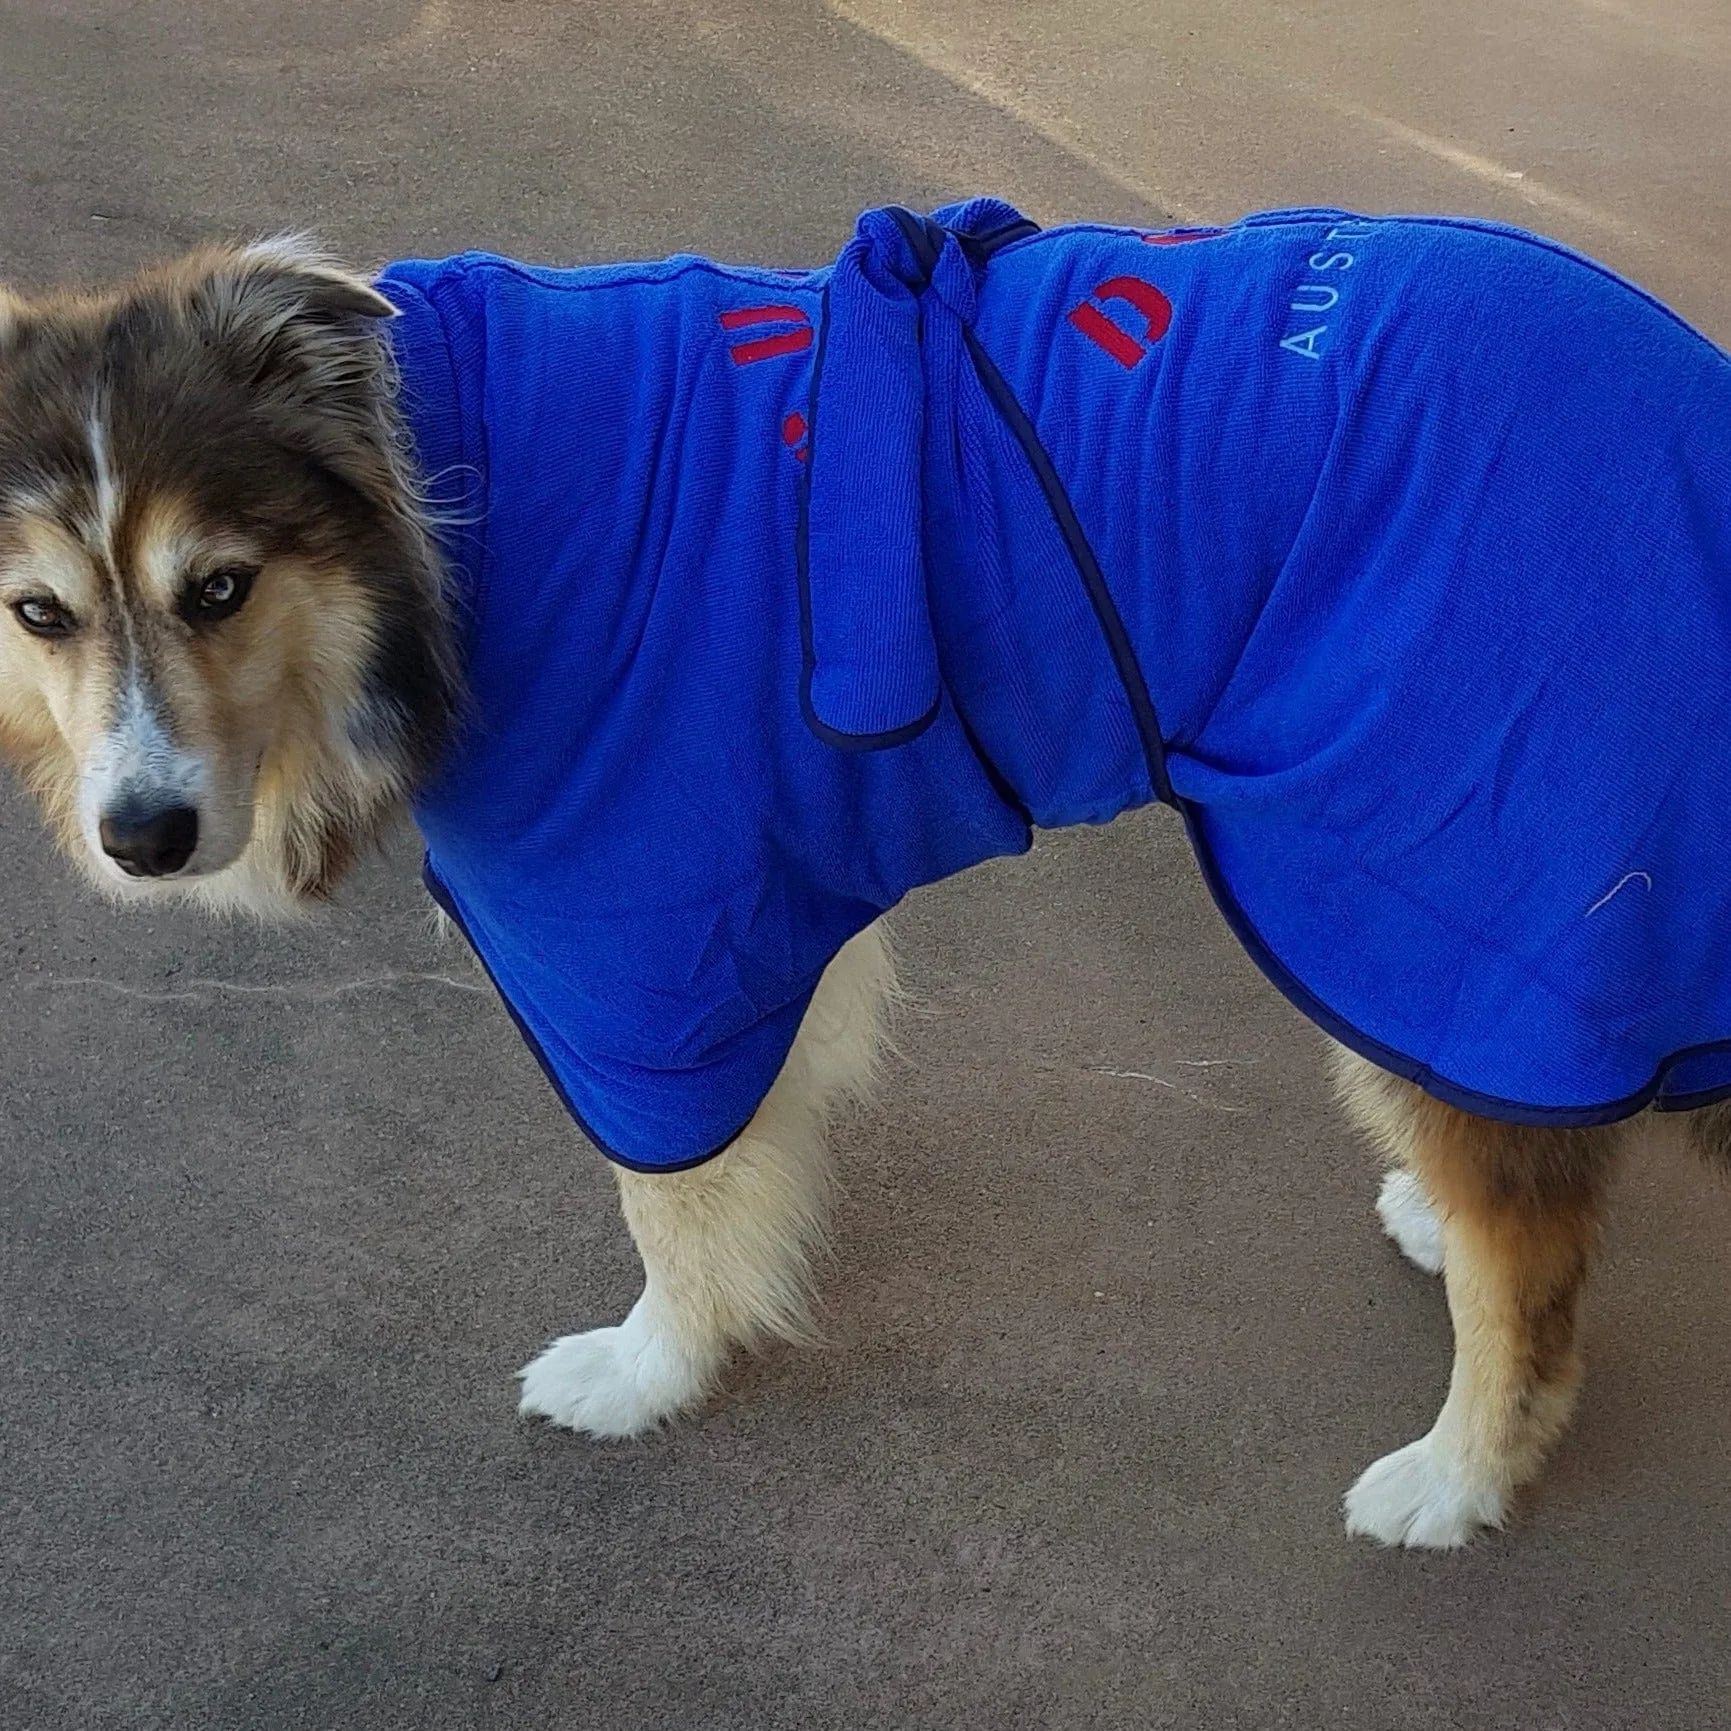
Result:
[[302, 335], [287, 318]]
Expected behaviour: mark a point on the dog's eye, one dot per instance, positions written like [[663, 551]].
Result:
[[217, 595], [43, 617]]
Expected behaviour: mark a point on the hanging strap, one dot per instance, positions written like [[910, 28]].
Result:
[[897, 304]]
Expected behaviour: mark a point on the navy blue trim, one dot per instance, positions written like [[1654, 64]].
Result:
[[1702, 1096], [1000, 783], [980, 248], [802, 566], [1118, 642], [1421, 1075], [437, 890], [866, 741], [924, 236], [927, 236]]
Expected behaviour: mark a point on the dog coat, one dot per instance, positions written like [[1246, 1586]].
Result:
[[1394, 553]]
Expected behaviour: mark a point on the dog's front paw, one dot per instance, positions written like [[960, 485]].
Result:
[[1408, 1218], [610, 1382], [1416, 1496]]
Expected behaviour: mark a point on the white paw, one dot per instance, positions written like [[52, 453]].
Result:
[[1415, 1496], [1408, 1218], [610, 1382]]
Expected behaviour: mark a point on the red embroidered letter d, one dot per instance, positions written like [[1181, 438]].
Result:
[[1126, 350]]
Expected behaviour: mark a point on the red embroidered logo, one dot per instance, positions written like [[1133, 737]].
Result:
[[789, 342], [793, 431], [1108, 334]]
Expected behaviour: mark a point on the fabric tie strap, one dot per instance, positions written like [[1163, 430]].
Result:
[[897, 302]]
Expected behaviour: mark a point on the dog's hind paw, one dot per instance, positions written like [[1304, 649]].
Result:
[[1416, 1497], [1408, 1218], [610, 1382]]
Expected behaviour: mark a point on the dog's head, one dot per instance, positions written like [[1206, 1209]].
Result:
[[224, 656]]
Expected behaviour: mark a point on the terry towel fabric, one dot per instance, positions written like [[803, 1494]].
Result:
[[1394, 552]]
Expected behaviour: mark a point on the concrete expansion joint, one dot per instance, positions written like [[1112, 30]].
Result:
[[310, 992]]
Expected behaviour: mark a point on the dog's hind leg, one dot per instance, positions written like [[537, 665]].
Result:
[[728, 1246], [1380, 1105], [1519, 1210]]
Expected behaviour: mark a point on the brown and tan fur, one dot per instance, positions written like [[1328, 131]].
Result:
[[230, 419], [228, 410]]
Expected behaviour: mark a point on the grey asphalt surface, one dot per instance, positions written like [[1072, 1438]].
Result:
[[1112, 1326]]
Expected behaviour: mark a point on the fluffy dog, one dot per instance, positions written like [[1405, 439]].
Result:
[[699, 613]]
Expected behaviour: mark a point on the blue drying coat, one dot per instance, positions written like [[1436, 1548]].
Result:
[[1396, 553]]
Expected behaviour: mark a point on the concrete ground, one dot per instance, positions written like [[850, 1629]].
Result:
[[1113, 1328]]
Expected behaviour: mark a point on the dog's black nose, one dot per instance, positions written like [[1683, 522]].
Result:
[[150, 844]]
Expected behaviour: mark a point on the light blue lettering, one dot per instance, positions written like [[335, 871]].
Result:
[[1304, 342], [1325, 297], [1331, 261]]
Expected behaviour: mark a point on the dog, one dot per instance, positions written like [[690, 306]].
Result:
[[698, 612]]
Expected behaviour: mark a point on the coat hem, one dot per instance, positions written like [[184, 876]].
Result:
[[1422, 1076], [448, 904]]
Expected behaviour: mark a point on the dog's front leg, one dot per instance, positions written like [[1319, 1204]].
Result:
[[726, 1253], [727, 1247]]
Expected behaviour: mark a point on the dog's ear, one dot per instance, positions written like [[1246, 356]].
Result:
[[286, 318], [301, 334]]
